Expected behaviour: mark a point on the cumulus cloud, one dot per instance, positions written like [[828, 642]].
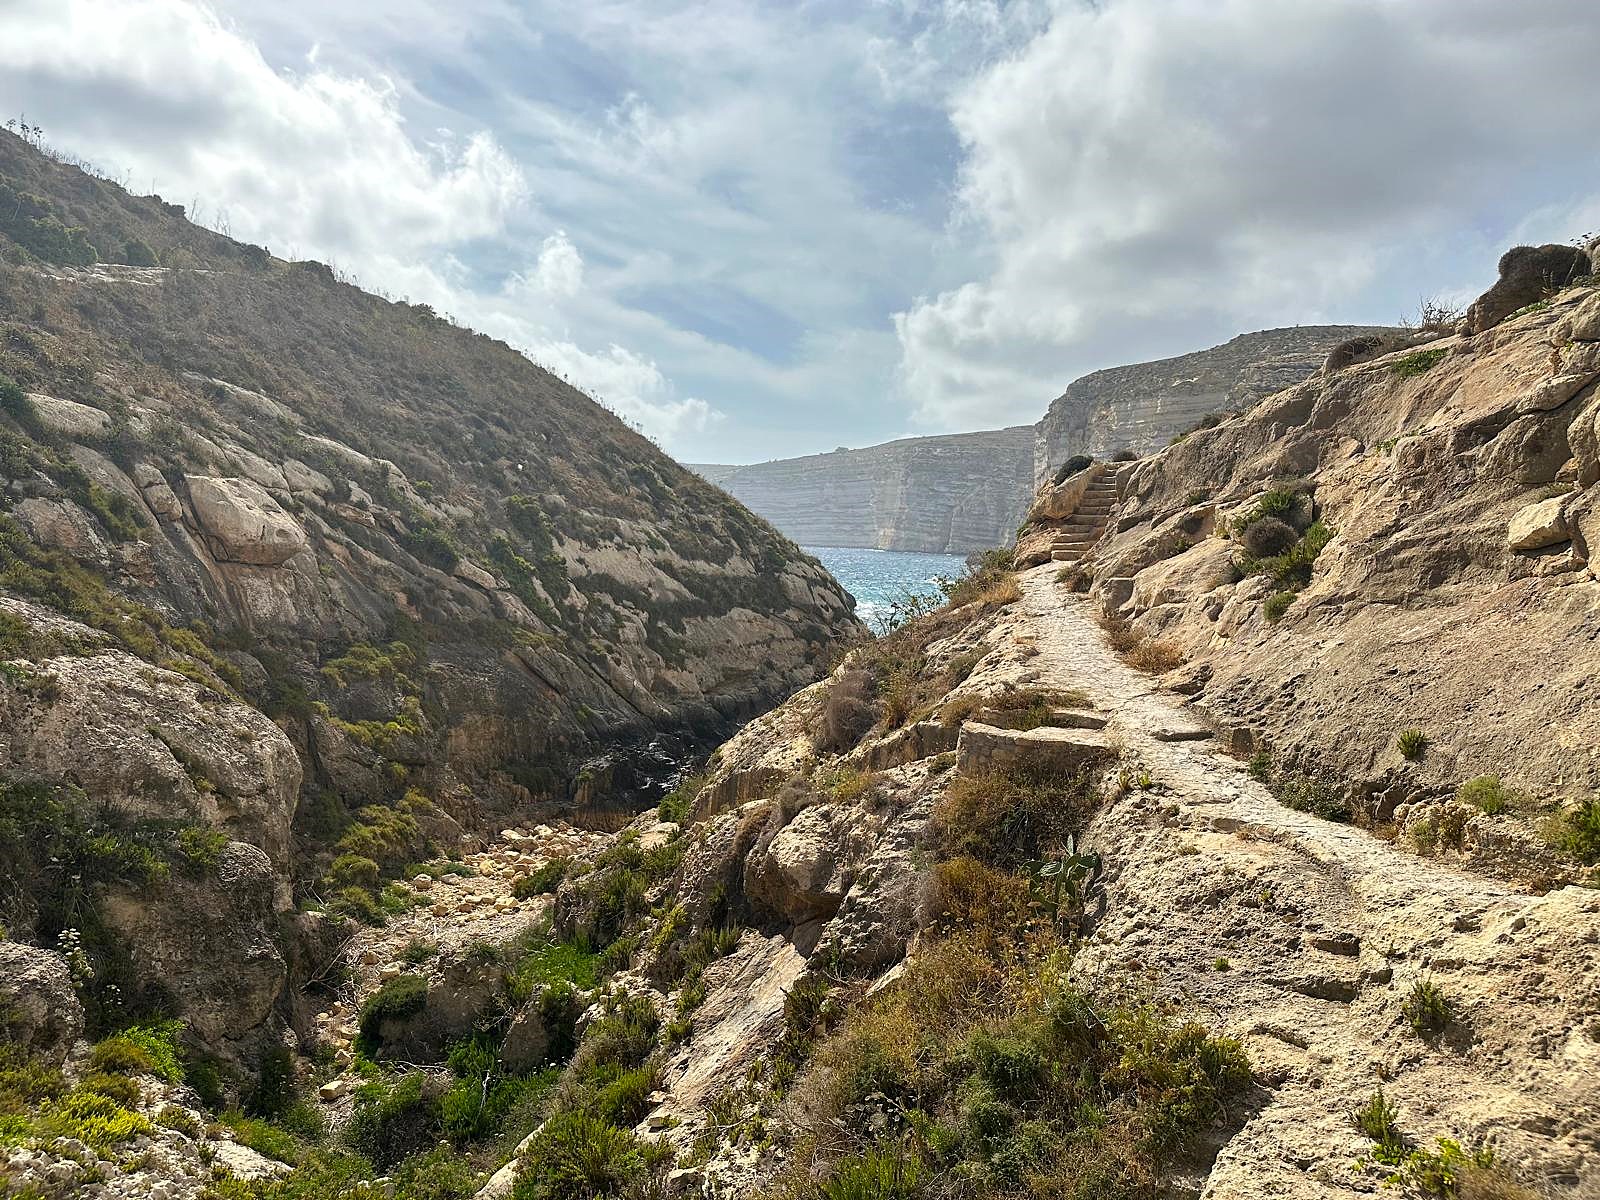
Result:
[[317, 164], [1153, 174]]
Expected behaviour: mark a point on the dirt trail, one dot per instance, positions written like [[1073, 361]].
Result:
[[1306, 937]]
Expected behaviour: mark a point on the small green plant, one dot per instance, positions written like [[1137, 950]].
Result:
[[401, 997], [1378, 1120], [1276, 605], [1426, 1009], [1576, 832], [1412, 744], [1260, 767], [1417, 363], [418, 951], [1441, 1171], [1489, 795], [1221, 964], [540, 881]]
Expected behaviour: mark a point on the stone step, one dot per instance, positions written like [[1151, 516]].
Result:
[[987, 747], [1066, 556]]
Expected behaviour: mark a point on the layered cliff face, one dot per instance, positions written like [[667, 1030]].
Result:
[[235, 486], [969, 491], [1143, 406], [939, 495]]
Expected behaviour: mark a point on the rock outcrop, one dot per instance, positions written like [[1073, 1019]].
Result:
[[1143, 406], [1457, 480], [942, 495]]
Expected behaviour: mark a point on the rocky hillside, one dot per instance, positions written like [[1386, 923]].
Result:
[[1143, 406], [941, 495], [299, 586]]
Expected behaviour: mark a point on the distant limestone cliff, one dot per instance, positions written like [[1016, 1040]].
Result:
[[1144, 406], [969, 491], [952, 494]]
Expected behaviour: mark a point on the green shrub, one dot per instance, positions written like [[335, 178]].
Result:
[[1412, 744], [1260, 767], [137, 254], [201, 847], [1304, 792], [93, 1119], [1276, 605], [141, 1050], [542, 880], [1426, 1009], [1378, 1120], [894, 1174], [579, 1157], [391, 1122], [1577, 832], [1417, 363], [1488, 794], [1441, 1171], [402, 997]]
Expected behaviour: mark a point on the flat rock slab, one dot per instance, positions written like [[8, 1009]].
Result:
[[989, 748], [1182, 733]]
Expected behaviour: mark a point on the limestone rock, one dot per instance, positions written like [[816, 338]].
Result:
[[1538, 525], [38, 1007], [69, 418], [303, 479], [244, 523], [808, 867], [1185, 576], [1584, 323], [1527, 274], [62, 523]]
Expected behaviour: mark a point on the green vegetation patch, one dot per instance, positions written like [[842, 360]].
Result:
[[1417, 363]]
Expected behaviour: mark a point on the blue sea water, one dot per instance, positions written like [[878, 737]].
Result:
[[875, 577]]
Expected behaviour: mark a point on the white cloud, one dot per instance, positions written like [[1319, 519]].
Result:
[[560, 268], [1152, 173]]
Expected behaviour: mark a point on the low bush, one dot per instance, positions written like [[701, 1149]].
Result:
[[542, 880], [1156, 656], [1267, 536], [848, 712], [1411, 365], [392, 1121], [579, 1157], [93, 1119], [263, 1137], [1576, 832], [1277, 605], [1426, 1009], [1304, 792], [1489, 795], [401, 997], [1412, 744], [1006, 818]]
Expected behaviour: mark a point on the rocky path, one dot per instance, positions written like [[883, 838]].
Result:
[[1307, 938], [461, 903]]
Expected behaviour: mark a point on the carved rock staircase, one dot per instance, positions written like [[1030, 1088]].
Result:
[[1088, 521]]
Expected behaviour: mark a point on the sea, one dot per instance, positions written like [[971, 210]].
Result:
[[877, 577]]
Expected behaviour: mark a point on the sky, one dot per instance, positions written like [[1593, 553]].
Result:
[[759, 229]]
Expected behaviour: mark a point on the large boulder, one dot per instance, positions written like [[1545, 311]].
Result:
[[210, 946], [38, 1008], [69, 418], [805, 871], [1538, 525], [1185, 576], [243, 523], [1527, 275]]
